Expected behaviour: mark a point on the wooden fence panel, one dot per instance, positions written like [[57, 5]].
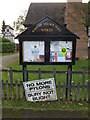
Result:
[[81, 89]]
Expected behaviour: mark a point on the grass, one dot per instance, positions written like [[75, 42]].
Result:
[[71, 106], [59, 77], [55, 105]]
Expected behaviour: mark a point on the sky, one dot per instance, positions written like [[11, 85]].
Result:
[[11, 9]]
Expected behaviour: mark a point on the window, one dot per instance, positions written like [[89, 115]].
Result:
[[7, 30]]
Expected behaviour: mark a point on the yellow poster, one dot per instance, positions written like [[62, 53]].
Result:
[[63, 51]]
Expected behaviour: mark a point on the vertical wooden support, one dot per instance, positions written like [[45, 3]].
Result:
[[21, 90], [16, 83], [83, 84], [88, 92], [39, 73], [58, 91], [78, 91], [11, 76], [2, 90], [64, 91], [84, 72], [73, 92], [11, 81], [68, 82], [54, 75], [25, 76], [7, 90]]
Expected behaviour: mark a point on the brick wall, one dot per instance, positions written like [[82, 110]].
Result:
[[78, 28]]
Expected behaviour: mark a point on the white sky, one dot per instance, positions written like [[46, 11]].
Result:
[[11, 9]]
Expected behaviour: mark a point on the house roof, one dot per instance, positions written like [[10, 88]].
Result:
[[42, 27], [8, 26], [37, 11]]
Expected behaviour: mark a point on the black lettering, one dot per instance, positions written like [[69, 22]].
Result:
[[43, 83], [34, 98], [30, 84], [47, 92]]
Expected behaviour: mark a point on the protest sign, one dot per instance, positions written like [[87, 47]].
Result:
[[40, 90]]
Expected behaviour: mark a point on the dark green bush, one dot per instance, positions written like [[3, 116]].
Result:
[[3, 39], [8, 47]]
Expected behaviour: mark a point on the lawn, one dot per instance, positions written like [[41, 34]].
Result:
[[56, 105], [59, 77]]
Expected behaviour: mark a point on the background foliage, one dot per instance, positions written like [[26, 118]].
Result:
[[7, 46]]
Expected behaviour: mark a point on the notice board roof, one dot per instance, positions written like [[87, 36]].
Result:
[[37, 11], [47, 27]]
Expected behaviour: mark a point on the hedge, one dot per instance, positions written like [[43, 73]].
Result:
[[8, 47], [3, 39]]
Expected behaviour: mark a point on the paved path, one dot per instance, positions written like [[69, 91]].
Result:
[[26, 113], [7, 60]]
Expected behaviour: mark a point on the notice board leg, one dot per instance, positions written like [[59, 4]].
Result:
[[68, 82], [25, 75]]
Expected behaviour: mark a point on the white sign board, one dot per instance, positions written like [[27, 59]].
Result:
[[40, 90]]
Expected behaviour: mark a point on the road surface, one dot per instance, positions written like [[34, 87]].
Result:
[[7, 60]]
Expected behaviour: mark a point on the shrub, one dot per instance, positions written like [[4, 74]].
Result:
[[3, 39], [8, 47]]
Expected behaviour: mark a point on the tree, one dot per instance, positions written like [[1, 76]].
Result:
[[18, 24], [79, 13], [3, 28]]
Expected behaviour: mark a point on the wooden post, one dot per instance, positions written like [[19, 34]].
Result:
[[78, 90], [11, 81], [59, 91], [73, 92], [11, 76], [83, 84], [21, 90], [54, 75], [68, 82], [7, 90], [16, 85], [39, 73], [25, 76]]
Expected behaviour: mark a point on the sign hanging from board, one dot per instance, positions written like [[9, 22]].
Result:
[[40, 90]]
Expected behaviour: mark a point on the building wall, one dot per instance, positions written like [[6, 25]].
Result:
[[8, 34], [78, 28], [10, 30]]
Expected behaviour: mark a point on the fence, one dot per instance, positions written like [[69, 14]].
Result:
[[76, 92]]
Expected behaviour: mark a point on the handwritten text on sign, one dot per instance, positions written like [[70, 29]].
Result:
[[40, 90]]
